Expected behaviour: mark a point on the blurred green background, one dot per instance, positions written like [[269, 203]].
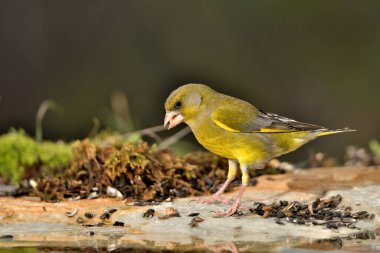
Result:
[[314, 61]]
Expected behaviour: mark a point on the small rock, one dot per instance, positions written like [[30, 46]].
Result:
[[114, 193], [33, 183], [170, 213], [93, 195]]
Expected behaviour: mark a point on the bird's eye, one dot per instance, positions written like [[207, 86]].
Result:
[[178, 105]]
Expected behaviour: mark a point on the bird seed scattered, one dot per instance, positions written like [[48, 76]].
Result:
[[321, 212]]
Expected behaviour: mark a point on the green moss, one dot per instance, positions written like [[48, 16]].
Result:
[[54, 154], [18, 152], [374, 145]]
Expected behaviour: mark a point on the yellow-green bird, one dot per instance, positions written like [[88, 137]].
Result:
[[236, 130]]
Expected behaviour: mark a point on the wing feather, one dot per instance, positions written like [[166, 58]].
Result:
[[242, 117]]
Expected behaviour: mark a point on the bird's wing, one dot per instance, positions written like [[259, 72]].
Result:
[[245, 118]]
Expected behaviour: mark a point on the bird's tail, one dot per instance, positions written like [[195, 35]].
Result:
[[335, 131]]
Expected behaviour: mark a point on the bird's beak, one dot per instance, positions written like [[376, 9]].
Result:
[[172, 118]]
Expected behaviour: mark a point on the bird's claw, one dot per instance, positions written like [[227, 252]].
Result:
[[233, 209]]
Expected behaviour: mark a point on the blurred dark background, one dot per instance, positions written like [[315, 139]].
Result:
[[315, 61]]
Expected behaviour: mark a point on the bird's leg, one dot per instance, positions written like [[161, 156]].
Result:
[[232, 167], [236, 204]]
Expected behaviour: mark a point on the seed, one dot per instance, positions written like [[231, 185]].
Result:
[[280, 222], [149, 213], [198, 219], [360, 215], [266, 214], [93, 195], [118, 224], [266, 208], [193, 214], [105, 216], [89, 215], [258, 206], [332, 226], [113, 210], [80, 220], [304, 212], [91, 233], [280, 214], [114, 193], [288, 213], [72, 213], [336, 200], [300, 221], [309, 223], [349, 220], [88, 225], [348, 209]]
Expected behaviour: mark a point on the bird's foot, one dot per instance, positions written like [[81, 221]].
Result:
[[214, 198], [233, 209]]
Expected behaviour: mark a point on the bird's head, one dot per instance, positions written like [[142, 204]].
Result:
[[184, 103]]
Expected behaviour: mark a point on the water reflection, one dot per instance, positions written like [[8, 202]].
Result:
[[361, 241]]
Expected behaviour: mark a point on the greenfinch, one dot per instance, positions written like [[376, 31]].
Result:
[[238, 131]]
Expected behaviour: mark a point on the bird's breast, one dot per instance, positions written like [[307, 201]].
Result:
[[246, 148]]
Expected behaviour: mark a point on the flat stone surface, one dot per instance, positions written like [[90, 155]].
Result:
[[40, 224]]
